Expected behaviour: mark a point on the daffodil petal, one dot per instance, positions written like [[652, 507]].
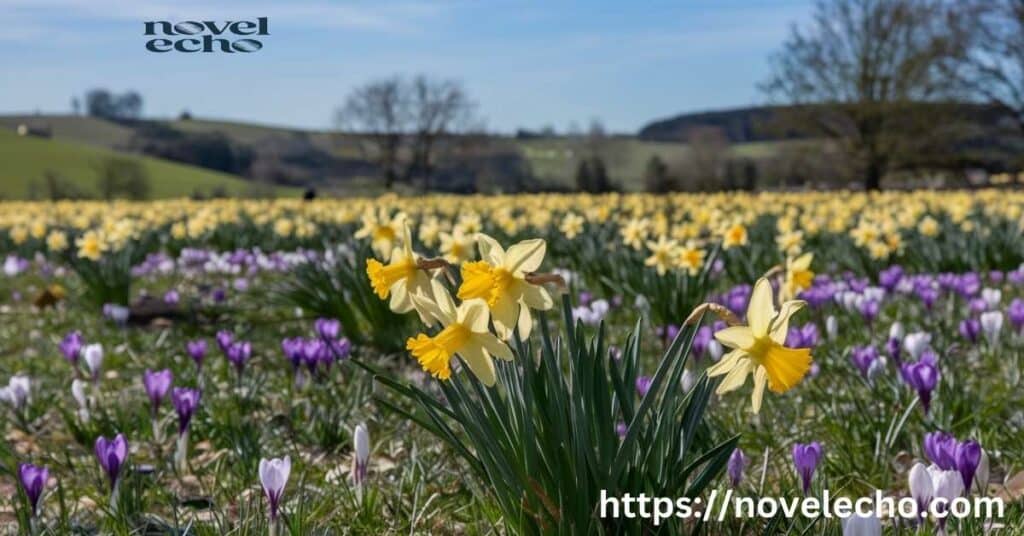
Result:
[[537, 297], [757, 395], [478, 361], [760, 310], [726, 364], [474, 315], [525, 256], [494, 346], [735, 378], [490, 250], [780, 326], [740, 337]]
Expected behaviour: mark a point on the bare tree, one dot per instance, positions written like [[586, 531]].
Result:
[[863, 74], [405, 121], [439, 108], [991, 66], [379, 111]]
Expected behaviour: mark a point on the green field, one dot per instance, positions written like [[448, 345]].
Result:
[[26, 159]]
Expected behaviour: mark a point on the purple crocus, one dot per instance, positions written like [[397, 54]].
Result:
[[737, 463], [806, 458], [293, 351], [327, 328], [922, 376], [224, 340], [868, 310], [238, 353], [274, 476], [968, 456], [890, 277], [197, 351], [970, 329], [157, 384], [171, 297], [621, 429], [864, 357], [71, 346], [643, 385], [185, 401], [940, 448], [1015, 312], [33, 480], [112, 454]]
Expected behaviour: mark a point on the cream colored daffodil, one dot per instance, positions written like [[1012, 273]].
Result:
[[465, 331], [401, 278], [758, 348], [500, 280]]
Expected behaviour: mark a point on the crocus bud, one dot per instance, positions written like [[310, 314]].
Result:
[[806, 458], [17, 392], [327, 328], [896, 331], [968, 456], [157, 384], [831, 327], [273, 477], [361, 454], [737, 463], [991, 325], [111, 454], [93, 356], [715, 350], [921, 488], [197, 351], [33, 480]]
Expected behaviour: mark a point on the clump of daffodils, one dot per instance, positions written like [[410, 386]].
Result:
[[497, 294], [758, 348]]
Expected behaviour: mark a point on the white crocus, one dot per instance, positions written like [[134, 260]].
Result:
[[862, 525], [992, 297], [831, 327], [93, 357], [991, 325], [896, 331], [916, 343]]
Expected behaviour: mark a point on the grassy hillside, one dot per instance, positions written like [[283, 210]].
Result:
[[25, 159], [555, 160], [75, 128]]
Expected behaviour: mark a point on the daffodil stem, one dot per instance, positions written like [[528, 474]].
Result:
[[535, 278], [719, 310]]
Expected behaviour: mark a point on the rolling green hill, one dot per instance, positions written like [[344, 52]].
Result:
[[26, 159]]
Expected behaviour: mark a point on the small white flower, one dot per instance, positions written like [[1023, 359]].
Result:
[[17, 391], [980, 483], [274, 476], [858, 525], [921, 487], [831, 327], [916, 343], [991, 325], [687, 380], [715, 350], [992, 297], [896, 331], [93, 356]]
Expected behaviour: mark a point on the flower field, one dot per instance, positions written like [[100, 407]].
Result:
[[492, 365]]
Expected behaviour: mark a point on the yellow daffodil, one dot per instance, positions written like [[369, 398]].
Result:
[[401, 278], [464, 332], [572, 225], [500, 280], [798, 276], [758, 348], [90, 245], [690, 258], [735, 236], [382, 230], [663, 254], [456, 246]]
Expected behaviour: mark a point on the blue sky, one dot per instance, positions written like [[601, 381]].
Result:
[[526, 64]]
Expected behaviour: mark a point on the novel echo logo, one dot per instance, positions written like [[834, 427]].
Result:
[[206, 36]]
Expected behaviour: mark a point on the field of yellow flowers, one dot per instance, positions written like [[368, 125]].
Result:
[[531, 364]]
